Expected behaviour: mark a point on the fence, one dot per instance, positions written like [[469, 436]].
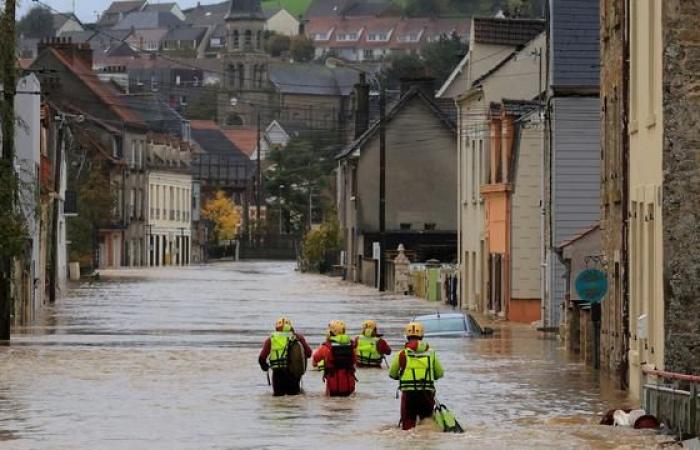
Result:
[[434, 282], [674, 400]]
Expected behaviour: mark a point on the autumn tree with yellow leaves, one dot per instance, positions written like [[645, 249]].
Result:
[[222, 211]]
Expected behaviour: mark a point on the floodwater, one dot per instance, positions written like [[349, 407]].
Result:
[[167, 359]]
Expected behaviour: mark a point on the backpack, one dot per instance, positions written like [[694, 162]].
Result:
[[445, 419], [343, 356]]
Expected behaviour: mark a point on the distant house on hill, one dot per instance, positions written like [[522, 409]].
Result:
[[281, 21], [172, 8], [117, 11], [65, 22], [149, 28]]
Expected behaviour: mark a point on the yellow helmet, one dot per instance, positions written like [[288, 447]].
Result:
[[414, 329], [369, 327], [283, 324], [336, 327]]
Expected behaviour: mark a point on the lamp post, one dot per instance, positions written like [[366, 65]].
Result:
[[381, 84]]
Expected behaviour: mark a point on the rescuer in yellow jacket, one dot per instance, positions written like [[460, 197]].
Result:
[[370, 348], [416, 367]]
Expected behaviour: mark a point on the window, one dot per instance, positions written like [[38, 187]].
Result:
[[195, 81], [248, 40], [258, 40], [634, 66], [132, 203], [472, 173], [651, 69], [235, 39], [380, 36], [154, 83], [215, 42], [177, 80], [346, 36], [368, 53], [183, 100]]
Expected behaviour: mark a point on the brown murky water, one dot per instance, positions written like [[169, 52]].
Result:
[[166, 359]]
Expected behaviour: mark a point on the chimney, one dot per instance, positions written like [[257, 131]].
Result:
[[425, 84], [302, 25], [68, 49], [361, 105]]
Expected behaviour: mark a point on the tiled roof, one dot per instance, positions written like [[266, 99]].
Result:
[[163, 7], [154, 112], [312, 79], [503, 31], [243, 138], [575, 43], [107, 95], [245, 10], [207, 14], [213, 141], [148, 20], [78, 37], [581, 235], [185, 34], [125, 6], [398, 30]]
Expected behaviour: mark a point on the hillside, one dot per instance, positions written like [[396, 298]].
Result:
[[296, 7]]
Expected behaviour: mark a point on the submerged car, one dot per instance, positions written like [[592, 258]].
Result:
[[452, 325]]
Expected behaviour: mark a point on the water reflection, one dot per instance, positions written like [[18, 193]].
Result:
[[167, 359]]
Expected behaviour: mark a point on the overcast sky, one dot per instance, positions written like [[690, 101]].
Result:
[[85, 9]]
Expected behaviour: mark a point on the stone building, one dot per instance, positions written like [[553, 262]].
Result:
[[676, 106], [614, 72], [246, 90]]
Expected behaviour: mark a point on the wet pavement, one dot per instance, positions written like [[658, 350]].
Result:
[[167, 359]]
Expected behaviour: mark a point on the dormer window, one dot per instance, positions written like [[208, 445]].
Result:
[[378, 36], [346, 36]]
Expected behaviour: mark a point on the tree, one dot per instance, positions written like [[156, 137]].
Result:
[[277, 44], [404, 65], [518, 8], [37, 23], [318, 243], [203, 107], [441, 56], [301, 48], [222, 211]]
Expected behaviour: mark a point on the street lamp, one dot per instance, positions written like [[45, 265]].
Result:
[[335, 62]]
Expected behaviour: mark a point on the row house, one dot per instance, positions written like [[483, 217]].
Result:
[[373, 38], [501, 51], [114, 137]]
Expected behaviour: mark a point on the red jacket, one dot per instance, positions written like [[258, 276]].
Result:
[[267, 346], [340, 382]]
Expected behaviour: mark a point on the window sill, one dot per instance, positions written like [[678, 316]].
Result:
[[634, 127], [651, 121]]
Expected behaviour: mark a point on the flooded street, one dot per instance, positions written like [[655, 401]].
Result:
[[167, 359]]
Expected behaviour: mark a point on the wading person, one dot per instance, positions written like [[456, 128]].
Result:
[[370, 348], [285, 352], [336, 357], [416, 367]]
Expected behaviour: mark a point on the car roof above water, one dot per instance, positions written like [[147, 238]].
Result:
[[440, 316]]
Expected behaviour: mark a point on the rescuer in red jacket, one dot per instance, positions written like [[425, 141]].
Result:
[[275, 355], [336, 357]]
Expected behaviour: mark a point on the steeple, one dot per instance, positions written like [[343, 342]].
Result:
[[244, 10]]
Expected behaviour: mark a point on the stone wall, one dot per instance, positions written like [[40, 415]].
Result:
[[613, 343], [681, 191]]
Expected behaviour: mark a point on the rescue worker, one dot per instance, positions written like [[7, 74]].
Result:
[[275, 355], [416, 367], [370, 348], [336, 357]]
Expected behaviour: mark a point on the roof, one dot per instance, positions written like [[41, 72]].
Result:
[[519, 107], [162, 7], [575, 43], [245, 10], [244, 138], [413, 92], [78, 37], [312, 79], [585, 232], [207, 14], [155, 112], [125, 6], [107, 95], [120, 49], [60, 19], [213, 141], [503, 31], [148, 20], [335, 8], [185, 34]]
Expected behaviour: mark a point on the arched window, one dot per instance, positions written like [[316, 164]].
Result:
[[235, 39], [231, 76], [248, 42], [258, 43], [233, 119]]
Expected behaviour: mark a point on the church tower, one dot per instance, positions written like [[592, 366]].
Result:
[[246, 85]]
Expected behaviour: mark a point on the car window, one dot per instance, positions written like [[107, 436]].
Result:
[[454, 324]]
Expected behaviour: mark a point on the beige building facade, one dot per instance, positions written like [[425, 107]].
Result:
[[646, 134], [488, 74]]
